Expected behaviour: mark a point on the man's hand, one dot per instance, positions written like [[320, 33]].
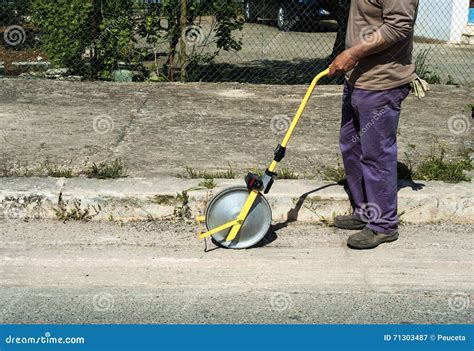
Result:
[[343, 63]]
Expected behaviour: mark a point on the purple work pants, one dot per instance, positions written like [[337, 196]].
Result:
[[368, 142]]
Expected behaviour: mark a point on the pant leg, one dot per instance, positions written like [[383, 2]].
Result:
[[351, 151], [379, 113]]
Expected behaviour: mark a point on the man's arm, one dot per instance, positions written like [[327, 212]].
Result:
[[398, 22]]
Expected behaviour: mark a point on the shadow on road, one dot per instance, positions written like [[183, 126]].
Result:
[[298, 71]]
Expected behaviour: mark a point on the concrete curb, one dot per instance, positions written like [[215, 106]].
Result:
[[143, 199]]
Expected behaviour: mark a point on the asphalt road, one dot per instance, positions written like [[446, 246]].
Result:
[[158, 272]]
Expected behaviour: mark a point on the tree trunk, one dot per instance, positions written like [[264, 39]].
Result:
[[342, 15], [94, 72], [183, 58]]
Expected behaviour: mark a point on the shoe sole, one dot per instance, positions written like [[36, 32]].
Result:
[[341, 226], [387, 239]]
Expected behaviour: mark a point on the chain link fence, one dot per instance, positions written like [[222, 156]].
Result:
[[255, 41]]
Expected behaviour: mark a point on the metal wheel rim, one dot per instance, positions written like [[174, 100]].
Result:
[[225, 207]]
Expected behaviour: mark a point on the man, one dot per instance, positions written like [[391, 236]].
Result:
[[379, 69]]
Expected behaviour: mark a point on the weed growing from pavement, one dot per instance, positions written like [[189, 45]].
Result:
[[191, 173], [74, 213], [43, 169], [208, 183], [105, 170], [422, 68], [451, 80], [56, 171], [401, 220], [469, 108], [436, 167], [286, 173], [329, 221], [335, 174], [163, 200], [182, 211], [282, 173]]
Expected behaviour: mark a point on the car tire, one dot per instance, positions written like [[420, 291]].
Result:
[[249, 13], [283, 19]]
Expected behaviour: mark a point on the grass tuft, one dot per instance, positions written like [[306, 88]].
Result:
[[105, 170], [191, 173], [208, 183], [436, 167], [52, 170], [286, 173]]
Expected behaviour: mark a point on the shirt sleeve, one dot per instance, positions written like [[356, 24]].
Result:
[[398, 19]]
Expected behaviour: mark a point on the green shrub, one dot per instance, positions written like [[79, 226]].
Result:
[[101, 31], [115, 39], [64, 33]]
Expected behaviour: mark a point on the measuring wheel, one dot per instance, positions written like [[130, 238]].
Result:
[[226, 206], [239, 217]]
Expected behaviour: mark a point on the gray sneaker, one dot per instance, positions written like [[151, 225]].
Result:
[[349, 222], [369, 239]]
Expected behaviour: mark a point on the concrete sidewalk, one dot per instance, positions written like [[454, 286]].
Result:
[[159, 198], [158, 129]]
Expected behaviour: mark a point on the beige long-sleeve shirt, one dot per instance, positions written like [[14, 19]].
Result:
[[394, 21]]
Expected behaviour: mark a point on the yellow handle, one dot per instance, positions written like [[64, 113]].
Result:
[[300, 111]]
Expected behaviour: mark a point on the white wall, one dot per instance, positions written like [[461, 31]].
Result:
[[460, 20], [442, 19]]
